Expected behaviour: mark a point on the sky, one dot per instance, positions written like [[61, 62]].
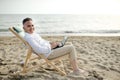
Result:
[[60, 7]]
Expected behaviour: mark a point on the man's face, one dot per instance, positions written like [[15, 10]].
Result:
[[29, 27]]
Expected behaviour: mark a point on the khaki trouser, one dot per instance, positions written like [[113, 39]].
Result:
[[68, 49]]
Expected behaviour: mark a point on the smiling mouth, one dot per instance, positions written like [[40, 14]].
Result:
[[31, 30]]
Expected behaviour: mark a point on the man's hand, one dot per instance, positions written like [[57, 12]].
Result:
[[54, 44]]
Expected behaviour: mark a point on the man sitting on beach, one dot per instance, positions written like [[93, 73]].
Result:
[[45, 47]]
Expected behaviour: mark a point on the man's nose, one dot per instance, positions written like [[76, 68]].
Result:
[[32, 27]]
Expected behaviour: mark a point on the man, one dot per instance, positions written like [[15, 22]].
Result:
[[42, 46]]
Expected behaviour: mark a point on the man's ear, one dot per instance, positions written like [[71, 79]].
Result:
[[24, 28], [34, 28]]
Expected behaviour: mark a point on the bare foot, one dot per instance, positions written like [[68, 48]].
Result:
[[78, 72]]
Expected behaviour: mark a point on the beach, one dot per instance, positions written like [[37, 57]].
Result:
[[98, 56]]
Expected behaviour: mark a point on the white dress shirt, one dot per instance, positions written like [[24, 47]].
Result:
[[38, 44]]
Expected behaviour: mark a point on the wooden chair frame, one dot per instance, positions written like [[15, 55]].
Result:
[[29, 53]]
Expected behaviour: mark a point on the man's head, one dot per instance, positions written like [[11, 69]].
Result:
[[28, 25]]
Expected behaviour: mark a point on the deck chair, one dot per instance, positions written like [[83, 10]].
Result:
[[19, 34]]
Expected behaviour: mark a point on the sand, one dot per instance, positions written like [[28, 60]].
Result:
[[98, 56]]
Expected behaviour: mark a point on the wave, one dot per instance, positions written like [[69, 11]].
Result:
[[3, 30], [68, 31]]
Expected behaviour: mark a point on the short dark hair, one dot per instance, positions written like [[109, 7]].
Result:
[[26, 19]]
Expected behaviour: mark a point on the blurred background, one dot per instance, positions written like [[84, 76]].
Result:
[[62, 16]]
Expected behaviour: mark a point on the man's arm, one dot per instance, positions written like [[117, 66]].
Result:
[[38, 48], [54, 44]]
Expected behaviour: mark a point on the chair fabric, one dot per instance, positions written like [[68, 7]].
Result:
[[20, 31]]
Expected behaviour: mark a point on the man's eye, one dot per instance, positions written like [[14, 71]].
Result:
[[30, 25]]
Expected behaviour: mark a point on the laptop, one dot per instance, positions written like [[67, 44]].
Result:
[[62, 43]]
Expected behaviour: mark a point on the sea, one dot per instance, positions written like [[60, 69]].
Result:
[[65, 24]]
